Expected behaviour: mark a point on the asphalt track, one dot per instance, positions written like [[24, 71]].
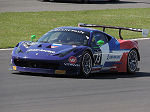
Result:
[[103, 92], [36, 5]]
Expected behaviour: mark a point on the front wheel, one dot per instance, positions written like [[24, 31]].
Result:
[[132, 61], [86, 64]]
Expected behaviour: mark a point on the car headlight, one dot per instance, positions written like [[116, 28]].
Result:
[[26, 45], [18, 50]]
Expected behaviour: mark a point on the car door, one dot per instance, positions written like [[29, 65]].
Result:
[[100, 51]]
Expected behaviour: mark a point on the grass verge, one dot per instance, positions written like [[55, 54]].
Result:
[[19, 26]]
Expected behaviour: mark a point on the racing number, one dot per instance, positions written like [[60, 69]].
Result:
[[97, 58]]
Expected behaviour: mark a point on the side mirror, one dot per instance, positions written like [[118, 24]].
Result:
[[33, 37], [100, 42]]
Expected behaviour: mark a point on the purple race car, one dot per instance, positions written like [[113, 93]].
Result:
[[76, 50]]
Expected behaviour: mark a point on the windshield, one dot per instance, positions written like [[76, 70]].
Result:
[[65, 37]]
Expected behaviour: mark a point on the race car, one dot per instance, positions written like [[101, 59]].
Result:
[[77, 50]]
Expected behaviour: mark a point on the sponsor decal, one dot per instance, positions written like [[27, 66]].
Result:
[[69, 30], [41, 50], [72, 60], [115, 57], [70, 64]]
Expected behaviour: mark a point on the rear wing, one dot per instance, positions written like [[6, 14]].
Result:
[[144, 31]]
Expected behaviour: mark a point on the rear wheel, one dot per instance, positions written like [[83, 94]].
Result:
[[86, 64], [132, 61]]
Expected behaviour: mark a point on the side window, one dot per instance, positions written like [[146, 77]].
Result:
[[96, 37], [108, 37]]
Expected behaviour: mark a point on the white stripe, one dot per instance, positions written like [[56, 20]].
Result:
[[6, 49], [140, 39], [105, 51]]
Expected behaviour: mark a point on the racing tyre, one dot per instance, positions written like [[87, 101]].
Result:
[[86, 64], [132, 61]]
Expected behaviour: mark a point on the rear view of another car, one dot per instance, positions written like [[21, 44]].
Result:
[[82, 1]]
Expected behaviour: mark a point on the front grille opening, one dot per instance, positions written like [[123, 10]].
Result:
[[35, 64]]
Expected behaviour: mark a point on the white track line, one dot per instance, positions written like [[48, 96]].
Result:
[[130, 39], [6, 49], [140, 39]]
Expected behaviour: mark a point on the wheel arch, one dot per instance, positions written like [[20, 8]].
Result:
[[128, 44]]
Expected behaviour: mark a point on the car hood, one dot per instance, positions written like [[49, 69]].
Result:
[[36, 50]]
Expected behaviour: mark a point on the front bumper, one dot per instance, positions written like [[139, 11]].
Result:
[[62, 66], [63, 70], [32, 70]]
